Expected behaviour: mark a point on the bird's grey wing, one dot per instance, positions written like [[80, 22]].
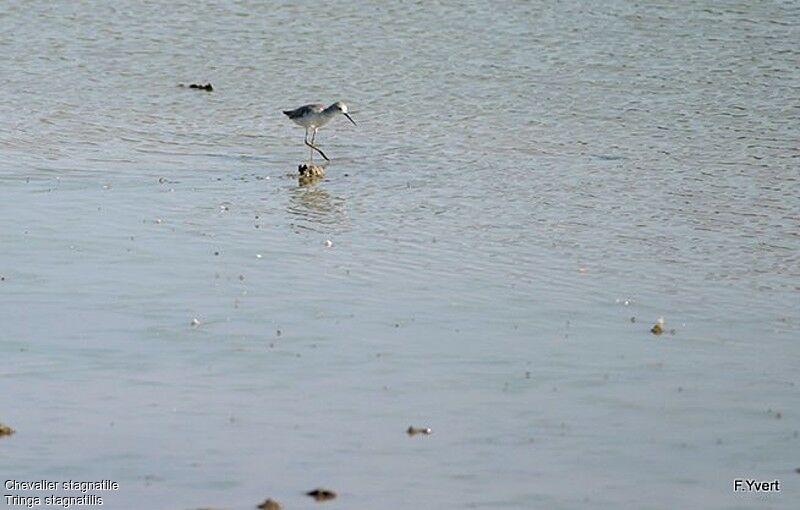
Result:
[[304, 110]]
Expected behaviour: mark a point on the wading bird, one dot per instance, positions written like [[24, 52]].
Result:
[[313, 117]]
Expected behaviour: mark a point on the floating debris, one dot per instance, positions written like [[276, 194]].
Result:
[[328, 243], [270, 504], [195, 322], [658, 328], [5, 430], [413, 431], [320, 495], [199, 86]]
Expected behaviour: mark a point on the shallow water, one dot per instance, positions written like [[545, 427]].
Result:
[[525, 180]]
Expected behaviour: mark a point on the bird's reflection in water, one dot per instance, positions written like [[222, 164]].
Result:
[[315, 207]]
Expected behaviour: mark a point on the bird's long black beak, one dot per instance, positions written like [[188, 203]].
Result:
[[350, 118]]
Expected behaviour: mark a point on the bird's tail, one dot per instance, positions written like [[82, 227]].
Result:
[[287, 112]]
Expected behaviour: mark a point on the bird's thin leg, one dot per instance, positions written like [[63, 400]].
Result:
[[313, 136], [310, 151], [314, 147]]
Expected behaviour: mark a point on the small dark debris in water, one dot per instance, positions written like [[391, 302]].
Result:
[[797, 471], [278, 333], [320, 495], [5, 430], [216, 253], [527, 375], [633, 319], [658, 328], [2, 278], [413, 431], [269, 504], [199, 86], [777, 414]]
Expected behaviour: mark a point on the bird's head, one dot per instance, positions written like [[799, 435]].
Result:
[[340, 106]]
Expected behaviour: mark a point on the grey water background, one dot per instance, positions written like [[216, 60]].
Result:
[[530, 187]]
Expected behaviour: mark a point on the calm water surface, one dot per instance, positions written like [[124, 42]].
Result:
[[529, 188]]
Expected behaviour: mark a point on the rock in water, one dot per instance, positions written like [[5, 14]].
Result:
[[310, 170], [270, 504]]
